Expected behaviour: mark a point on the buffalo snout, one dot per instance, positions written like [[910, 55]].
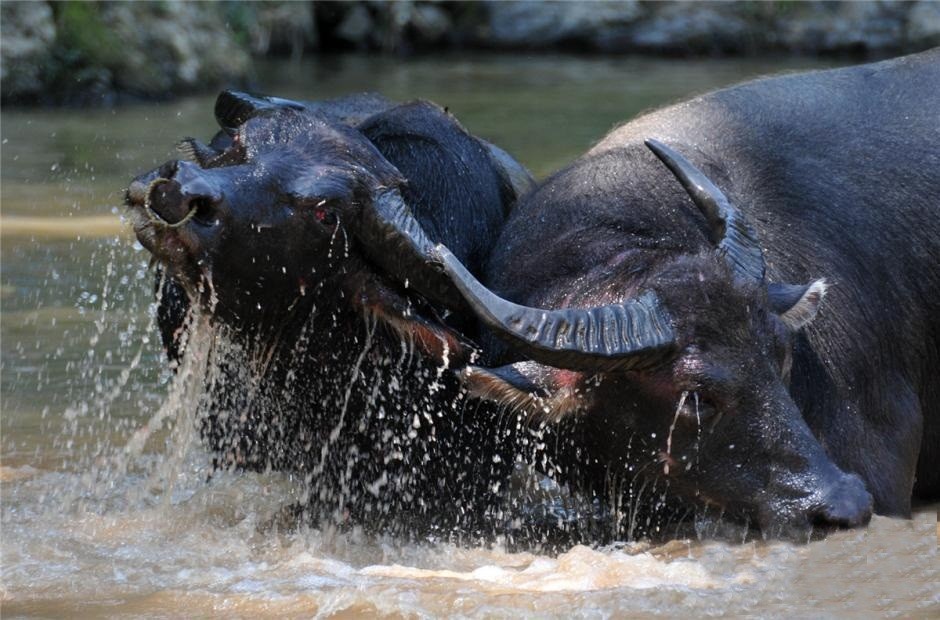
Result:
[[834, 500], [175, 192], [844, 504]]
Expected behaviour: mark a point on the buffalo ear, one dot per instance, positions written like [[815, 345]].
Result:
[[797, 304], [515, 176], [543, 393], [193, 150]]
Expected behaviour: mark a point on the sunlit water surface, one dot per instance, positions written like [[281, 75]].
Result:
[[105, 504]]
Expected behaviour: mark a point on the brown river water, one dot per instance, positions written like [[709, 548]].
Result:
[[105, 508]]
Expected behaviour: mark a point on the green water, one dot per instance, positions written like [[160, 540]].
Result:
[[82, 373]]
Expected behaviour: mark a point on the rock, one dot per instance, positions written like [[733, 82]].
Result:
[[279, 27], [672, 27], [399, 26], [405, 24], [97, 52], [356, 26], [843, 27], [923, 25], [430, 22], [28, 31], [531, 24], [688, 27], [172, 46]]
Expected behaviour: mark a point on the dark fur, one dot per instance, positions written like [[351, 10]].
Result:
[[839, 173], [323, 380]]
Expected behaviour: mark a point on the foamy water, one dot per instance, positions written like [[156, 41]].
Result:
[[218, 548]]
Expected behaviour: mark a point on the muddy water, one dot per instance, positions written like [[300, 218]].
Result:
[[105, 505]]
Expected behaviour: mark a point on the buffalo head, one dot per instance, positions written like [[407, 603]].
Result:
[[301, 233], [291, 202], [270, 215], [679, 375]]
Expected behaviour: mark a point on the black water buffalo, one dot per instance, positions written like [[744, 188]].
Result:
[[278, 234], [653, 323]]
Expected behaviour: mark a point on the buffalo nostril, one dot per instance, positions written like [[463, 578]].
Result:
[[136, 193], [203, 209], [166, 200], [176, 193], [140, 189], [174, 205], [846, 505]]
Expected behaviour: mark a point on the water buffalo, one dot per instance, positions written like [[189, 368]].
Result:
[[640, 300], [277, 232]]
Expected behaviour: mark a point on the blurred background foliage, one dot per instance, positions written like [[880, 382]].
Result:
[[92, 53]]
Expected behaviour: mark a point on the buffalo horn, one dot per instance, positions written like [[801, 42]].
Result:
[[394, 239], [232, 107], [631, 335], [730, 230]]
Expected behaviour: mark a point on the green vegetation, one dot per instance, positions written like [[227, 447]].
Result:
[[85, 54], [83, 34]]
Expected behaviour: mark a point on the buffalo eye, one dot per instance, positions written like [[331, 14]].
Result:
[[322, 210], [325, 216], [698, 407]]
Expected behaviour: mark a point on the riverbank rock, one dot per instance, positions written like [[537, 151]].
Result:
[[172, 46], [842, 26], [275, 28], [691, 28], [923, 24], [102, 52], [535, 24], [28, 31], [402, 26], [686, 27], [91, 53]]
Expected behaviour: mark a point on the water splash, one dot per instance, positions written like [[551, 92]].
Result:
[[672, 427]]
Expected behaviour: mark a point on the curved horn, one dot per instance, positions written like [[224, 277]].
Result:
[[634, 334], [730, 230], [394, 239]]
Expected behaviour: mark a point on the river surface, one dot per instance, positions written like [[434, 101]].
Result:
[[106, 507]]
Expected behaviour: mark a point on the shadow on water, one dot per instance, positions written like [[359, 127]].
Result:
[[106, 508]]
